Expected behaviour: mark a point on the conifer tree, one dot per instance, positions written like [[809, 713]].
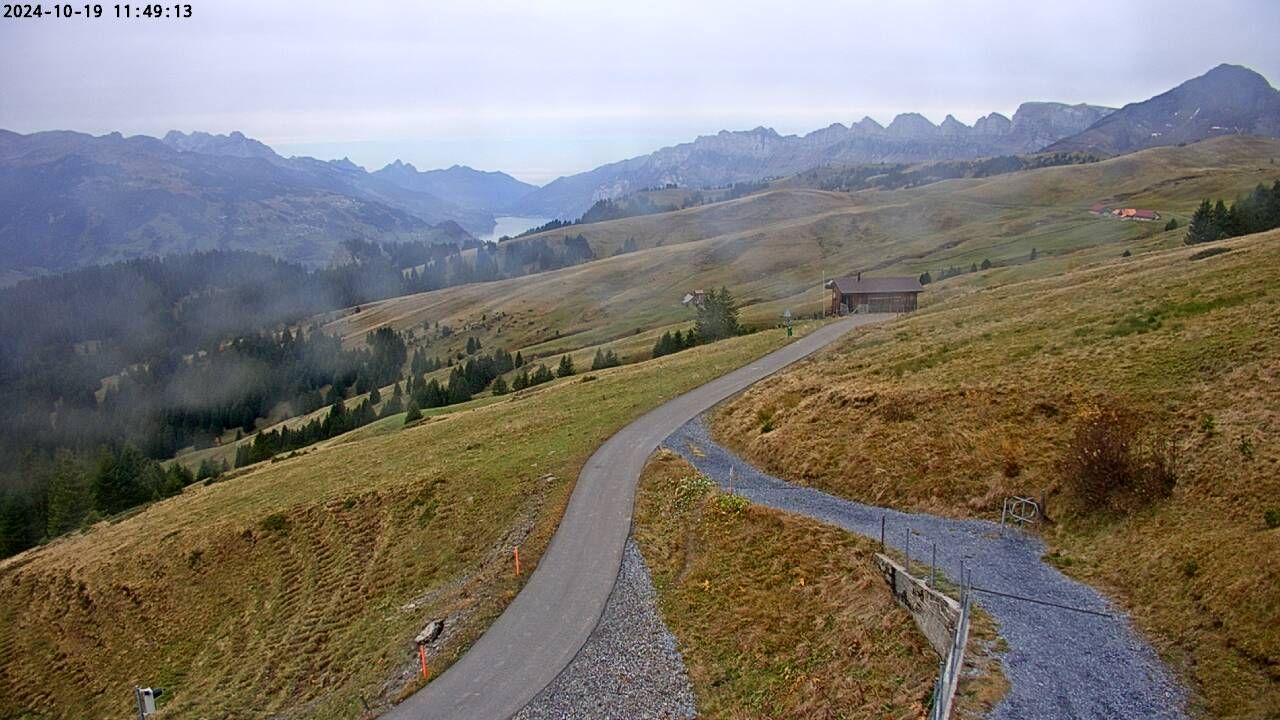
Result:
[[69, 496], [565, 368], [540, 375], [500, 386], [1203, 228], [413, 414]]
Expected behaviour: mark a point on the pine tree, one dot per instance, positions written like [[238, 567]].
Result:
[[566, 366], [413, 414], [717, 318], [986, 264], [973, 267], [1171, 225], [242, 455], [116, 485], [1034, 253], [500, 386], [1203, 227], [459, 388], [375, 396], [519, 359], [1271, 215], [540, 375], [69, 496], [925, 278]]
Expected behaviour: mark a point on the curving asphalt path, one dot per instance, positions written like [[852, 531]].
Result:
[[542, 630]]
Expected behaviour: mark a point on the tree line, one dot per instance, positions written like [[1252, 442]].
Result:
[[1256, 212], [66, 491]]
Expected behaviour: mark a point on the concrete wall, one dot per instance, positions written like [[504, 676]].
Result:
[[935, 614]]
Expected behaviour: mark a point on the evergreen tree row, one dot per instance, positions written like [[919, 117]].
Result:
[[1256, 212], [673, 342], [69, 491]]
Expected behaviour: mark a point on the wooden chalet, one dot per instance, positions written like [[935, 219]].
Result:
[[856, 294]]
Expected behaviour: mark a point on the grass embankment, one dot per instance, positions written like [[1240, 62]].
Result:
[[776, 615], [977, 397], [294, 589]]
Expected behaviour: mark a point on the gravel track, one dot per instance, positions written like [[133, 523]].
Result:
[[1060, 664], [630, 668]]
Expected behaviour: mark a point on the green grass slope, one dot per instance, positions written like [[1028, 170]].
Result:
[[978, 396], [294, 589]]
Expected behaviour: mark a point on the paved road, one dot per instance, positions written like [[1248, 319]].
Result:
[[1060, 664], [552, 617]]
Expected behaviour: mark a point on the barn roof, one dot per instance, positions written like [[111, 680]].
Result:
[[852, 285]]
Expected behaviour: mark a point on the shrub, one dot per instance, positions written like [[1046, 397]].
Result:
[[692, 488], [765, 417], [1110, 465], [729, 504], [276, 524], [1209, 425], [1272, 518]]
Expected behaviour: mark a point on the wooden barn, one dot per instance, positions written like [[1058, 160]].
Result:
[[856, 294]]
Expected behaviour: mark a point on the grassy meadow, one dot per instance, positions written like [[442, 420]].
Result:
[[776, 616], [773, 249], [294, 588], [978, 395]]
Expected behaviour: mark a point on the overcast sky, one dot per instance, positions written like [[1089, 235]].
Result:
[[544, 88]]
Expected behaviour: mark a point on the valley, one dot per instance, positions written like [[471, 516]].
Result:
[[292, 438]]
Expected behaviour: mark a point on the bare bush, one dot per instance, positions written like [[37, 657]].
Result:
[[1113, 464]]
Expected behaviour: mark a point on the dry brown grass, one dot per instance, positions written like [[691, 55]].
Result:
[[294, 589], [776, 616], [933, 411]]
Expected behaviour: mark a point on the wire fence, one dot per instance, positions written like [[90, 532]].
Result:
[[944, 689]]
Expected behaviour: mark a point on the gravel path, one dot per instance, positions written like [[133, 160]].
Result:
[[629, 669], [1061, 664]]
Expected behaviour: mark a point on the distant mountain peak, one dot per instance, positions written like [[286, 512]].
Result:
[[912, 125], [346, 164], [399, 164], [234, 144], [951, 126], [867, 125], [1229, 99]]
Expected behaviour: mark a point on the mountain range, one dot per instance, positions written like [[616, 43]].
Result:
[[68, 199], [731, 157], [1227, 100]]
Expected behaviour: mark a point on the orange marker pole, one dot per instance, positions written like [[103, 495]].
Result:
[[422, 657], [517, 554]]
